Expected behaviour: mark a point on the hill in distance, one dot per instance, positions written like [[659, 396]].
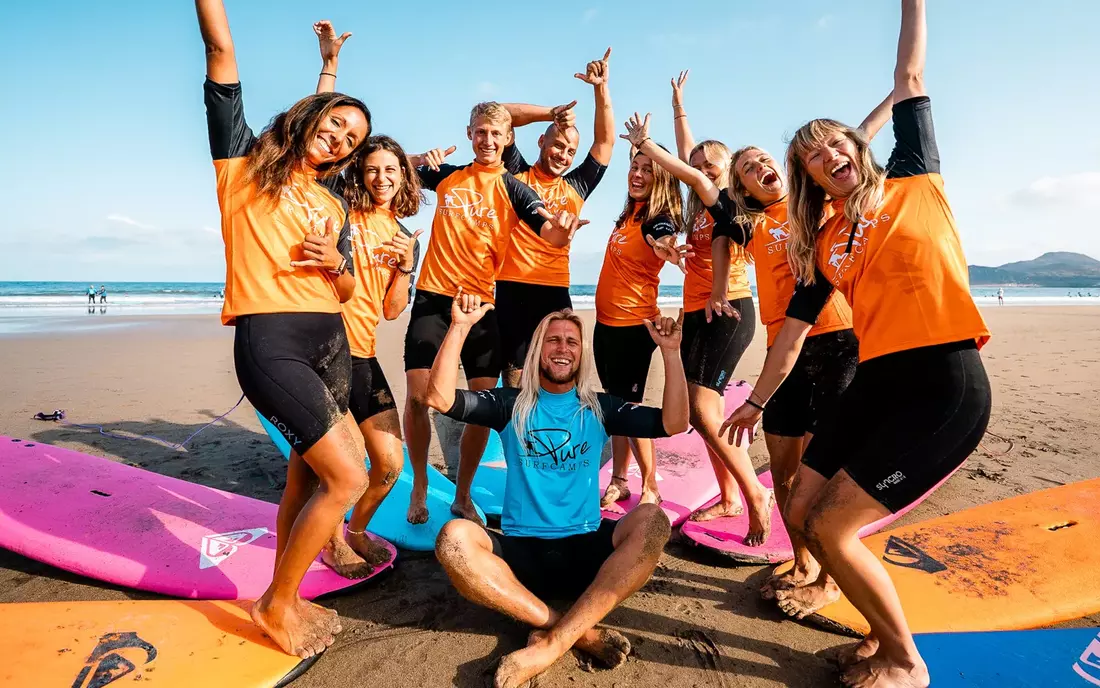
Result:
[[1054, 269]]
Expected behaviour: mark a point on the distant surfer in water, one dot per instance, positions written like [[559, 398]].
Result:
[[920, 399], [91, 294], [555, 545], [288, 269]]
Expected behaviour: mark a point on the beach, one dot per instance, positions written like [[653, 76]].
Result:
[[698, 622]]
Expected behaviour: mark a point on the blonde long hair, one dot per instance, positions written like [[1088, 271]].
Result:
[[806, 200], [530, 385], [665, 198], [712, 150], [749, 212]]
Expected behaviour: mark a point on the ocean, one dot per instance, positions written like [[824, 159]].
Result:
[[25, 299]]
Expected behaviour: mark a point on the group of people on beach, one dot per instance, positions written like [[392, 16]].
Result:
[[872, 336]]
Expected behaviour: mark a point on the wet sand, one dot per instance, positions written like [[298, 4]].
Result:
[[699, 622]]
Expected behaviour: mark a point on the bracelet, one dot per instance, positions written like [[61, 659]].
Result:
[[752, 403], [328, 74], [340, 270], [680, 117], [639, 146], [405, 272]]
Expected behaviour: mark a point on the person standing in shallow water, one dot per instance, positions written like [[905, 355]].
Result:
[[288, 269], [554, 544]]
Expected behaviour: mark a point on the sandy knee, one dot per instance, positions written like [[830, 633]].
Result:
[[653, 526], [455, 541]]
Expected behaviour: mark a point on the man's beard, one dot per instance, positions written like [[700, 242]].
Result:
[[560, 380]]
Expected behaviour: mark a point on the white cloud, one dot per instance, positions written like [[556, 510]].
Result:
[[825, 22], [206, 228], [589, 15], [115, 217], [1081, 189], [486, 88]]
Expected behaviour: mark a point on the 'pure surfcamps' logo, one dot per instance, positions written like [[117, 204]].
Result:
[[1088, 666]]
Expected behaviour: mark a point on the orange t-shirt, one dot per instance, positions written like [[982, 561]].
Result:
[[626, 293], [767, 244], [530, 259], [700, 268], [375, 271], [903, 268], [261, 238], [479, 207]]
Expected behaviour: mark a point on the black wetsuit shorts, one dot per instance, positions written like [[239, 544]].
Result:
[[520, 308], [428, 324], [824, 369], [556, 569], [711, 351], [370, 392]]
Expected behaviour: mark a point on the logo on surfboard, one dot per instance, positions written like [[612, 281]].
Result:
[[901, 553], [105, 664], [217, 548], [1090, 658]]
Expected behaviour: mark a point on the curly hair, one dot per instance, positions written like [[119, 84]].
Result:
[[406, 202]]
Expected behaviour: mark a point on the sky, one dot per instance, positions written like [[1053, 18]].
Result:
[[109, 176]]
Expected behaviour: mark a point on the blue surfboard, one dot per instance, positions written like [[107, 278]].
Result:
[[1013, 659], [389, 521]]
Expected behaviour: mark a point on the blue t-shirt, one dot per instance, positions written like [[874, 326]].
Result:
[[552, 488]]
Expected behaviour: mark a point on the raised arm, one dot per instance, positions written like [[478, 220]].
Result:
[[675, 411], [912, 45], [221, 60], [330, 46], [878, 118], [525, 113], [637, 133], [685, 142], [603, 138], [466, 311]]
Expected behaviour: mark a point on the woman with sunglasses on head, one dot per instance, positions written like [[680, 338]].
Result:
[[920, 400]]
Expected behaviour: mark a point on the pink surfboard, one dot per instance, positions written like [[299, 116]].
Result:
[[138, 529], [685, 476], [727, 534]]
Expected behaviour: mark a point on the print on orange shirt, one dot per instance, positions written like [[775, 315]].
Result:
[[529, 258], [262, 238], [902, 267], [478, 208], [626, 293], [375, 270], [700, 268]]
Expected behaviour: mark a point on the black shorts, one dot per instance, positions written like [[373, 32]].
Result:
[[906, 422], [824, 369], [370, 393], [710, 351], [295, 369], [622, 357], [520, 308], [428, 325], [558, 569]]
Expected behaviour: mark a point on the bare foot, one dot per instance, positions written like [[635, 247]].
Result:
[[609, 647], [521, 666], [795, 578], [801, 602], [342, 559], [617, 491], [324, 617], [650, 495], [880, 672], [373, 552], [760, 520], [465, 509], [418, 505], [846, 656], [717, 511], [290, 630]]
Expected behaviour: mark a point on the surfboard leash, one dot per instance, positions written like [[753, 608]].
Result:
[[58, 416]]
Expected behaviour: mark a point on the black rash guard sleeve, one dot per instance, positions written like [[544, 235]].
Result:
[[723, 211], [513, 160], [230, 136], [630, 420], [525, 202], [585, 177], [416, 257], [491, 408], [915, 150], [431, 179], [809, 300], [659, 227]]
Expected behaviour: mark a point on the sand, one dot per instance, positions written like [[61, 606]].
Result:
[[699, 622]]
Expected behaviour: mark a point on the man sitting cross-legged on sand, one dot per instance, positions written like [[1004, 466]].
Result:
[[555, 546]]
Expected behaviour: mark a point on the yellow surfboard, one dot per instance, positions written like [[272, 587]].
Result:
[[1020, 563], [156, 643]]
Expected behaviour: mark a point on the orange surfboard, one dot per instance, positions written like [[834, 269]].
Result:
[[156, 643], [1020, 563]]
